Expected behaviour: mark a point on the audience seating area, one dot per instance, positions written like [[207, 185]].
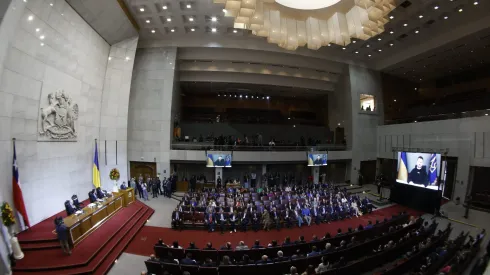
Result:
[[357, 257]]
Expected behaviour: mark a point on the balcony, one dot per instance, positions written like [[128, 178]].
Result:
[[209, 146]]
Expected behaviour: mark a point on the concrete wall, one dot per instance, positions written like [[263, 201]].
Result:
[[150, 124], [467, 139], [114, 110], [259, 156]]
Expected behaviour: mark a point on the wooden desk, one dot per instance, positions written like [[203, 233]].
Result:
[[127, 195], [91, 218], [182, 186]]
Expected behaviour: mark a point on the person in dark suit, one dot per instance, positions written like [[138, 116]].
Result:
[[188, 260], [218, 183], [222, 218], [210, 220], [100, 194], [280, 257], [209, 246], [193, 183], [177, 218], [287, 218], [208, 263], [192, 245], [313, 252], [318, 160], [419, 175], [255, 220], [123, 186], [257, 245], [227, 246], [78, 205], [62, 233], [244, 220], [233, 219], [245, 260], [264, 260], [276, 218], [92, 196], [220, 162], [69, 208], [287, 241]]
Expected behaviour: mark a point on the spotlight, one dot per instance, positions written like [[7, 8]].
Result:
[[189, 6], [240, 96], [213, 30], [246, 96], [164, 7], [191, 19], [267, 97], [142, 9], [214, 19]]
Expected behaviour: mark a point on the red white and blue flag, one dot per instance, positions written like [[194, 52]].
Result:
[[18, 197]]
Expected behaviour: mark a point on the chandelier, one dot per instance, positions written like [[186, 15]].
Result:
[[315, 23]]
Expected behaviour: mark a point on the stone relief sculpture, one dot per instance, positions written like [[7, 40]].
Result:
[[58, 118]]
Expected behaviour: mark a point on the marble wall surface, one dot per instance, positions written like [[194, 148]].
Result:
[[114, 110], [153, 91]]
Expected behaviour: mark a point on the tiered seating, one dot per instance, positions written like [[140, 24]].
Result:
[[368, 240]]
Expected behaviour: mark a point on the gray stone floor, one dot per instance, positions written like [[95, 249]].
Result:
[[134, 264]]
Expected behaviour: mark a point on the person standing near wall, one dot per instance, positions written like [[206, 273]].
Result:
[[62, 232]]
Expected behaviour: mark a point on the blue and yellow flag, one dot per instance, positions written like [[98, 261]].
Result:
[[95, 169], [402, 170]]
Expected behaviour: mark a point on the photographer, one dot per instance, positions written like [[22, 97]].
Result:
[[62, 232]]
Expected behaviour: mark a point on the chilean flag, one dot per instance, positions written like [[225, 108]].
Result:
[[18, 197]]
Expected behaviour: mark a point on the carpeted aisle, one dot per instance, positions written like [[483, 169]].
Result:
[[143, 242]]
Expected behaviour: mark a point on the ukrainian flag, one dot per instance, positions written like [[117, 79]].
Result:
[[402, 170], [95, 169]]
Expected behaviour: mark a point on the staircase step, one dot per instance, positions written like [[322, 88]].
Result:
[[40, 245]]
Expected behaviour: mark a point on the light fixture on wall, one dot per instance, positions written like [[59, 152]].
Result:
[[291, 24]]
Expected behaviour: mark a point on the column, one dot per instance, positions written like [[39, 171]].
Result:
[[315, 171], [261, 178], [218, 172]]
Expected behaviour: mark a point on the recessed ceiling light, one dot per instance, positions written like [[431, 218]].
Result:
[[30, 18], [214, 19], [446, 17], [42, 44], [475, 3], [394, 100], [110, 58], [224, 10], [460, 10], [416, 31], [142, 9], [152, 31], [391, 17], [235, 31], [127, 57], [172, 30], [191, 19], [41, 37], [486, 114], [164, 7], [343, 48], [38, 29], [147, 21], [379, 50], [421, 16], [436, 7], [192, 29], [189, 6], [391, 44], [369, 55], [213, 29], [405, 24], [353, 41], [169, 19], [367, 46], [392, 32], [51, 4], [329, 44], [379, 39]]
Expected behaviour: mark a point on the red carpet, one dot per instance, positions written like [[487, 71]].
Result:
[[96, 253], [149, 235]]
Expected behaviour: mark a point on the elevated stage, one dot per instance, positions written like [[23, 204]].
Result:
[[93, 255]]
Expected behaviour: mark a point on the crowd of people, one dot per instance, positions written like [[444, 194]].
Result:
[[143, 186], [271, 207], [315, 251]]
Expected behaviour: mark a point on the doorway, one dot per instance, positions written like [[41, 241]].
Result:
[[448, 176], [146, 169], [368, 171]]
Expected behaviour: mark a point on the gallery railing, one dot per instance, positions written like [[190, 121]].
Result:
[[211, 147]]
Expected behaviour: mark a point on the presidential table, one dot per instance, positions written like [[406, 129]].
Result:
[[79, 226]]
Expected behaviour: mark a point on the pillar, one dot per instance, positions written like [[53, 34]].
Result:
[[218, 172], [315, 171]]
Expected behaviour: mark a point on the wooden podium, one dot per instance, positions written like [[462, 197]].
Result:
[[127, 195]]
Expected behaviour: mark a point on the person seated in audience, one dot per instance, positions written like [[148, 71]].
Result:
[[153, 258], [123, 186], [306, 215], [287, 241], [314, 239], [297, 254], [287, 218], [170, 258], [241, 246], [92, 196], [192, 245], [257, 245], [188, 260], [244, 217], [226, 261], [209, 246], [208, 263], [341, 246], [310, 270], [301, 239], [227, 246], [255, 220], [293, 270], [328, 248], [324, 266], [352, 242], [210, 221], [245, 260], [161, 243], [280, 257], [340, 263], [298, 217], [360, 228], [315, 213], [276, 218], [314, 252], [100, 194], [233, 218], [221, 217], [327, 236], [264, 260], [177, 218], [175, 244], [273, 243], [339, 232]]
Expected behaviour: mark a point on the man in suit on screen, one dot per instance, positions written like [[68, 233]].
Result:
[[318, 160], [419, 175], [219, 162]]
